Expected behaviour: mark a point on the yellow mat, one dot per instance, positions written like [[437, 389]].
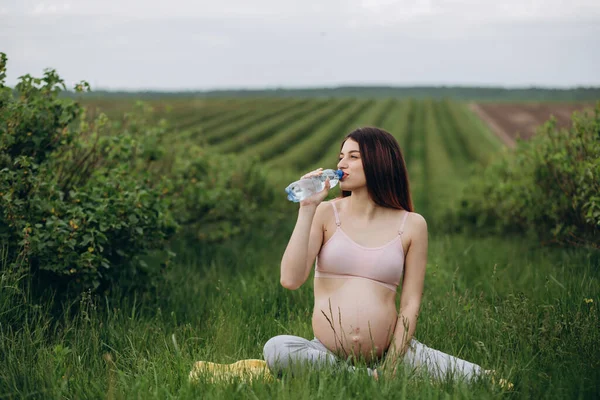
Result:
[[503, 383], [245, 370]]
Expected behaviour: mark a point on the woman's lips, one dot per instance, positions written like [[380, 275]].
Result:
[[345, 176]]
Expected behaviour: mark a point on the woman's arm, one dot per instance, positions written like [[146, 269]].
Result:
[[303, 247], [412, 291]]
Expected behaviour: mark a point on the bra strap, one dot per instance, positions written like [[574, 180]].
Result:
[[401, 230], [337, 217]]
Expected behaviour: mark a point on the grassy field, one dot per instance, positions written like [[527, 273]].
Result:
[[504, 303]]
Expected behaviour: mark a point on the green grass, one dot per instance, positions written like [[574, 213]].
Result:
[[504, 303], [498, 302]]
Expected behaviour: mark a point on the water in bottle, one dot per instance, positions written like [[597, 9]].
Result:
[[300, 190]]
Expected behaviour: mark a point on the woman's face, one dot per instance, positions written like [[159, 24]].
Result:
[[350, 161]]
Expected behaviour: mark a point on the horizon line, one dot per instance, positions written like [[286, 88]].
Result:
[[349, 86]]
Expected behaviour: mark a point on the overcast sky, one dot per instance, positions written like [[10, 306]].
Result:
[[198, 44]]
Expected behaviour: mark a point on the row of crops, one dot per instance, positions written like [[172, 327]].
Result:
[[441, 141]]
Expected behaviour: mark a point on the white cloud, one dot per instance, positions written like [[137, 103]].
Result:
[[51, 8], [383, 11], [147, 9], [476, 11], [238, 43], [417, 7]]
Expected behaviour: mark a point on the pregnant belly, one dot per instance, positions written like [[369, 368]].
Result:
[[354, 317]]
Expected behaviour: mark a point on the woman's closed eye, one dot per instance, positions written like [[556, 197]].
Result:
[[340, 159]]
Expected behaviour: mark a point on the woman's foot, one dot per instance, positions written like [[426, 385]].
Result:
[[243, 369]]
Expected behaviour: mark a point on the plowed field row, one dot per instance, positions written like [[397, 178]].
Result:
[[257, 132], [278, 144], [310, 148], [371, 116], [442, 141], [228, 131]]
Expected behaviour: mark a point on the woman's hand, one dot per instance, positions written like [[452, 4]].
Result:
[[316, 198], [382, 371]]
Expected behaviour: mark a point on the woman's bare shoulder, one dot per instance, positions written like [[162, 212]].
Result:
[[416, 228], [416, 222], [326, 204], [324, 210], [416, 218]]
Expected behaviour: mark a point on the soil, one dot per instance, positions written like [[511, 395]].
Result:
[[513, 120]]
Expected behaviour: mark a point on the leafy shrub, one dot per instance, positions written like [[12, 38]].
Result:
[[79, 220], [83, 203], [548, 187]]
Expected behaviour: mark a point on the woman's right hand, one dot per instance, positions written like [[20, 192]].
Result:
[[316, 198]]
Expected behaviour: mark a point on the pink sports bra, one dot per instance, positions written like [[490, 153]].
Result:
[[342, 257]]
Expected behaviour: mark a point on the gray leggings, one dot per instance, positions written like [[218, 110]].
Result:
[[286, 351]]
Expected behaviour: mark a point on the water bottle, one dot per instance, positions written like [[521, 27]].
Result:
[[300, 190]]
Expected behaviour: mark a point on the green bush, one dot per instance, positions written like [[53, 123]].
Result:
[[84, 203], [76, 219], [548, 187]]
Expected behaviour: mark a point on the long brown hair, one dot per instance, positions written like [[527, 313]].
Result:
[[384, 166]]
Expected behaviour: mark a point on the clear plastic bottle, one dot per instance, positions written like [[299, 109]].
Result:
[[300, 190]]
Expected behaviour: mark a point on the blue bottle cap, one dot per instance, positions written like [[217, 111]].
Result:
[[290, 195], [339, 173]]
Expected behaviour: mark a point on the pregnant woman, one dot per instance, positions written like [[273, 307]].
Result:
[[365, 243]]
